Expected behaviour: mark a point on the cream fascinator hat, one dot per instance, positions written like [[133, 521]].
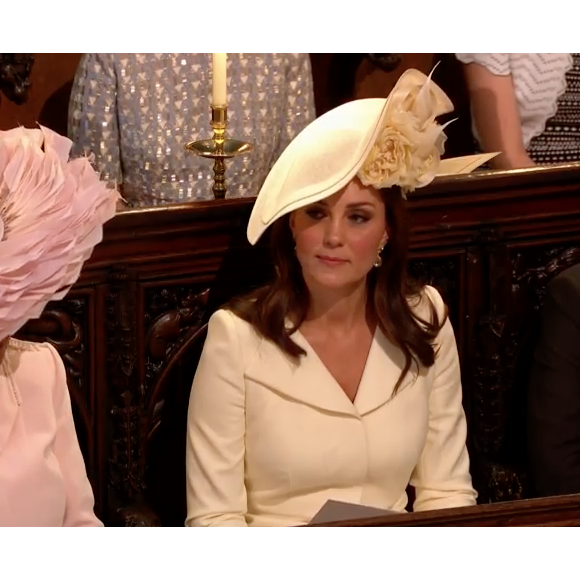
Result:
[[52, 212], [383, 142]]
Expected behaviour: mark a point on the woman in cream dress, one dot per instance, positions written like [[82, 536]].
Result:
[[341, 379], [51, 216]]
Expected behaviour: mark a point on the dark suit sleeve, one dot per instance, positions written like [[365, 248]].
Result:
[[554, 395]]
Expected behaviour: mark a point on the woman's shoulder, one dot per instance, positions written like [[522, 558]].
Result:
[[226, 325], [35, 366], [425, 300], [37, 350], [226, 319], [38, 358]]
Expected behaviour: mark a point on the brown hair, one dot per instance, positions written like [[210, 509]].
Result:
[[389, 289]]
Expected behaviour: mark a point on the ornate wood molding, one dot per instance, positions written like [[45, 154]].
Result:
[[15, 70], [125, 392]]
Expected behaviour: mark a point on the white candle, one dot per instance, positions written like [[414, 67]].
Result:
[[219, 85]]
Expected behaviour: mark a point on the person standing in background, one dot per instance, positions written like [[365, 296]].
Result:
[[526, 105], [136, 112]]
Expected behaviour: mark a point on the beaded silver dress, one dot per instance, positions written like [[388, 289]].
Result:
[[136, 112]]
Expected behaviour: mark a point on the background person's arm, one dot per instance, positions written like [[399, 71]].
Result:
[[495, 110]]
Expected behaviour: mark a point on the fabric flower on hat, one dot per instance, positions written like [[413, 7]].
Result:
[[52, 212], [410, 143]]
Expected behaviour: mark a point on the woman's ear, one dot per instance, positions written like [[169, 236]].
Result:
[[384, 239]]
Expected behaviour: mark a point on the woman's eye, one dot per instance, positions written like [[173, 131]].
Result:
[[315, 214], [359, 219]]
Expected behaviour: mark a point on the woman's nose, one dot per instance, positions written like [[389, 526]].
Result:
[[334, 232]]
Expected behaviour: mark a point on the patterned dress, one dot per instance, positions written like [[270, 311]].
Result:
[[136, 112], [560, 140]]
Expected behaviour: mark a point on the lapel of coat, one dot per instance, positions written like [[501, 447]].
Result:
[[383, 368], [309, 382]]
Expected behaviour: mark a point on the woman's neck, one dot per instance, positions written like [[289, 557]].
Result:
[[337, 310]]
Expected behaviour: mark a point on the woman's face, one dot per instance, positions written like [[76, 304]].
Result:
[[338, 239]]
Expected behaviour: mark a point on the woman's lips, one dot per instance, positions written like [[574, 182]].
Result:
[[330, 261]]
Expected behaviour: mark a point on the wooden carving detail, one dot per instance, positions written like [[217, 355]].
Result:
[[174, 318], [532, 271], [443, 273], [15, 71], [505, 344], [171, 313], [125, 392], [489, 384], [495, 476], [167, 429]]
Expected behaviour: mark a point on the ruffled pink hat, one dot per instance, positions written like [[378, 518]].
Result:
[[52, 212]]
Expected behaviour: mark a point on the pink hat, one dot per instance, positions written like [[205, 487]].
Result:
[[52, 212]]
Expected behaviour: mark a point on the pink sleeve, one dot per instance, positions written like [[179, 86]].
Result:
[[80, 500]]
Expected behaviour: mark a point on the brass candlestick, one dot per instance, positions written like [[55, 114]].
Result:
[[219, 149]]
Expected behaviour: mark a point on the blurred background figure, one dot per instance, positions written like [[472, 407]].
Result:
[[554, 390], [526, 105], [136, 112], [343, 77], [349, 75]]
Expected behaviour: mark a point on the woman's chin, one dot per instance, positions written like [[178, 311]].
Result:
[[334, 281]]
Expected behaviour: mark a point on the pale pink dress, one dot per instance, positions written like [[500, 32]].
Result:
[[43, 480]]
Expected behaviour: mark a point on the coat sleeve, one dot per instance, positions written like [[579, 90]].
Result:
[[79, 510], [216, 427], [441, 478], [554, 391]]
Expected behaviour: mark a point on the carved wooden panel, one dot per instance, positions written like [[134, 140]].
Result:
[[170, 313], [167, 426], [173, 322], [505, 341], [15, 71], [126, 460], [446, 273]]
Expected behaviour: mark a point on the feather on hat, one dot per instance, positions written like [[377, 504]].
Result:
[[52, 212]]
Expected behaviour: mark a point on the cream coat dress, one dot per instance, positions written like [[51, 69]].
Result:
[[270, 441]]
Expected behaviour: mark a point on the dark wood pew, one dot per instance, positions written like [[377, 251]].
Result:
[[131, 330], [554, 511]]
